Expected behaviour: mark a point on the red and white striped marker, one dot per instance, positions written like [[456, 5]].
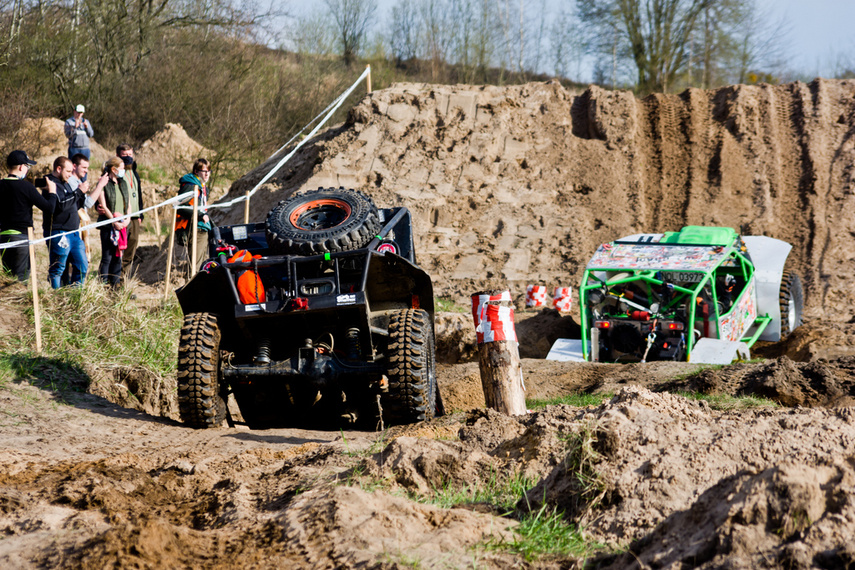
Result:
[[535, 296], [493, 321], [562, 299]]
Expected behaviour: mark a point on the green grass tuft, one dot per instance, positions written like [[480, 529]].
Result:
[[726, 402], [449, 306], [575, 400]]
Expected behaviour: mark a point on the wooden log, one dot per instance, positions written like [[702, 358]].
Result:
[[37, 315], [169, 255], [498, 352]]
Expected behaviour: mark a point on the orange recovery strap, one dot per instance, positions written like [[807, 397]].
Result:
[[249, 286]]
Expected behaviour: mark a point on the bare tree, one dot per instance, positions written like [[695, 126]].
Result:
[[404, 38], [353, 19], [655, 33]]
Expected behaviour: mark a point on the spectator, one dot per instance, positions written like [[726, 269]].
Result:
[[17, 198], [198, 179], [113, 203], [126, 153], [65, 218], [79, 180], [78, 131]]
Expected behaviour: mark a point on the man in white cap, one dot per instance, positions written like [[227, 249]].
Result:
[[78, 131]]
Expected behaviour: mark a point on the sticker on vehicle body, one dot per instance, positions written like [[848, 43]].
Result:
[[256, 307], [347, 299], [683, 276]]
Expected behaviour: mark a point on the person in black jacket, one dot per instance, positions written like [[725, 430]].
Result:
[[17, 198], [65, 218]]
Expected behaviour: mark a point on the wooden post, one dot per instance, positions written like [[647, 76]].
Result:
[[498, 352], [193, 231], [368, 67], [246, 209], [169, 255], [36, 311]]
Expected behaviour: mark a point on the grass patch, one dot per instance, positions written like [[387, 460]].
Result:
[[576, 400], [503, 493], [726, 402], [544, 534], [445, 305], [155, 174], [89, 328]]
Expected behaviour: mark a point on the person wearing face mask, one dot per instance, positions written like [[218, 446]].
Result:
[[113, 203], [65, 218], [194, 181], [135, 195], [17, 198]]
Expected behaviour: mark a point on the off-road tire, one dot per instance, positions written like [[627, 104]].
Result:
[[322, 220], [200, 403], [792, 300], [413, 393]]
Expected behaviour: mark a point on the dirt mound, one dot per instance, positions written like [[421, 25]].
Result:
[[549, 174], [172, 149], [823, 383]]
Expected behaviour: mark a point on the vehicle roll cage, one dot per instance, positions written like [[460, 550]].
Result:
[[592, 280]]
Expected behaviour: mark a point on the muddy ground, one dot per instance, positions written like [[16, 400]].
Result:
[[509, 186]]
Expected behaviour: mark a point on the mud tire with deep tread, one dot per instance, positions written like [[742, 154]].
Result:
[[413, 394], [200, 403], [792, 300], [321, 221]]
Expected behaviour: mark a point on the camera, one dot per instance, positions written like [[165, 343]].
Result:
[[41, 182]]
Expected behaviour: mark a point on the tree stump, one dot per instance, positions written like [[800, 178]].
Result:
[[498, 352]]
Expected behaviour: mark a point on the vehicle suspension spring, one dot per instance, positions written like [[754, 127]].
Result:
[[354, 350], [263, 354]]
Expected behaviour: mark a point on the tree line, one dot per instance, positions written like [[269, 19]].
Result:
[[241, 78]]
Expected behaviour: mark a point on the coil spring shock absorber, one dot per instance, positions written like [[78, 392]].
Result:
[[263, 354], [354, 350]]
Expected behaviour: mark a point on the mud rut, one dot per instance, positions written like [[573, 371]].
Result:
[[512, 185]]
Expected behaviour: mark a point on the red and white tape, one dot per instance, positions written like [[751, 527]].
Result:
[[562, 299], [493, 321], [535, 296]]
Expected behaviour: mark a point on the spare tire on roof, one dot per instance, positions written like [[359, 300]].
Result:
[[322, 220]]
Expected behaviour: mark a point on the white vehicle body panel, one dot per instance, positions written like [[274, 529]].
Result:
[[715, 351], [768, 256]]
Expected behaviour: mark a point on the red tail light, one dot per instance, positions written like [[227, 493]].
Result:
[[299, 304], [675, 326], [602, 324]]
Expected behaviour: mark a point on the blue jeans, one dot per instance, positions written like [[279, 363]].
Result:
[[84, 151], [74, 251]]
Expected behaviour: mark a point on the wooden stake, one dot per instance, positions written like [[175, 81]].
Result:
[[499, 360], [246, 209], [193, 232], [368, 67], [36, 311], [169, 255]]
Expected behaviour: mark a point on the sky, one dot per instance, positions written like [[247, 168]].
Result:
[[820, 32]]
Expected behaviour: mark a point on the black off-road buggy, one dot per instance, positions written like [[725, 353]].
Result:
[[336, 328]]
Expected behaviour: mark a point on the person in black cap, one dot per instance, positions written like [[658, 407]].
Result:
[[17, 198]]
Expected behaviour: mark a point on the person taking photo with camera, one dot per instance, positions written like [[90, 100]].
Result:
[[17, 198], [65, 218]]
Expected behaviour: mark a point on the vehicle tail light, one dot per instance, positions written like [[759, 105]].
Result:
[[675, 326], [603, 324], [299, 304]]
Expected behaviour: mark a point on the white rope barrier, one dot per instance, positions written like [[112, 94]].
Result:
[[330, 110], [287, 157], [173, 200]]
